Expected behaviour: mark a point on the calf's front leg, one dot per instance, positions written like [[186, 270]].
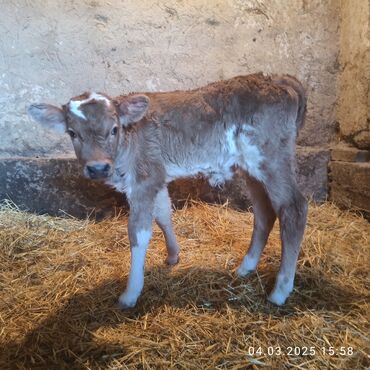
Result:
[[139, 232]]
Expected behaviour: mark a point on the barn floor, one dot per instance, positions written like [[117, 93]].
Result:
[[60, 280]]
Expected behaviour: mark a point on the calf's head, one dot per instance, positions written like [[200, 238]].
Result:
[[96, 125]]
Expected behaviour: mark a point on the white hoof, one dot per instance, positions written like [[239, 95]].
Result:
[[248, 266], [278, 296], [127, 300], [242, 271], [283, 287]]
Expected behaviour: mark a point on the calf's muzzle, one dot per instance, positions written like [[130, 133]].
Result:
[[98, 170]]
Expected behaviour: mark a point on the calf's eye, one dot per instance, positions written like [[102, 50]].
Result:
[[71, 134], [114, 131]]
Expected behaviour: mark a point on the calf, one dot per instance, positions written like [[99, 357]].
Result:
[[138, 143]]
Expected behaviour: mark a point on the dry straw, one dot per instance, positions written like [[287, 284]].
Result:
[[60, 279]]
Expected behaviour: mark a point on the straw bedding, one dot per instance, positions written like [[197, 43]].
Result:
[[60, 279]]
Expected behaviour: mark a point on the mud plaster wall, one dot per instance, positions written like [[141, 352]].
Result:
[[51, 51], [354, 78]]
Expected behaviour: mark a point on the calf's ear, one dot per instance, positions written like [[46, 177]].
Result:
[[132, 108], [48, 116]]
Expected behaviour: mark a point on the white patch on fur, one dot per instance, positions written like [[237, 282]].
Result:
[[99, 97], [236, 149], [227, 158], [250, 156], [175, 172], [136, 277], [217, 172], [75, 105], [230, 140]]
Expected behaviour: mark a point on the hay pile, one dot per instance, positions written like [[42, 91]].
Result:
[[60, 280]]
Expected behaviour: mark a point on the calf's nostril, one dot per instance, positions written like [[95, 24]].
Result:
[[98, 169], [105, 168], [91, 170]]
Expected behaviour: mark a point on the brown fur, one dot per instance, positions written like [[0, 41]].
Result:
[[248, 123]]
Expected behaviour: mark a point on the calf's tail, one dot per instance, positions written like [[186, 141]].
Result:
[[293, 83]]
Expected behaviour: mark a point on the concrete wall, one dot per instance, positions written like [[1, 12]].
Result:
[[50, 51], [350, 158]]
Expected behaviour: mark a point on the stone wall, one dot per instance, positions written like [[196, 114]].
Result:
[[52, 50], [350, 158]]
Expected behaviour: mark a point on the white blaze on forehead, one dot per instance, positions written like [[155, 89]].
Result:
[[75, 105]]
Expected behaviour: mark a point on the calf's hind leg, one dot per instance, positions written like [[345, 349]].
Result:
[[264, 218], [162, 215], [291, 208]]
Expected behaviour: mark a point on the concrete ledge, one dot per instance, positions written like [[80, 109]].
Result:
[[346, 153], [349, 173], [350, 185], [312, 172], [55, 186]]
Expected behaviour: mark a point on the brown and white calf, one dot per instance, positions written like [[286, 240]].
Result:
[[138, 143]]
